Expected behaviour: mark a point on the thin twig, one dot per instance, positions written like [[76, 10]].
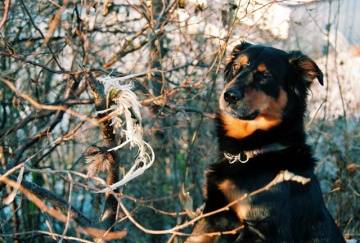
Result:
[[46, 107], [42, 35], [38, 195], [67, 224], [6, 12], [280, 177], [37, 64]]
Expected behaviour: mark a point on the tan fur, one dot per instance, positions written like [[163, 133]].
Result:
[[262, 68], [201, 238], [309, 66], [231, 193], [237, 128], [270, 115], [243, 60]]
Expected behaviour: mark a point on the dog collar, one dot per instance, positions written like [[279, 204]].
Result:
[[244, 156]]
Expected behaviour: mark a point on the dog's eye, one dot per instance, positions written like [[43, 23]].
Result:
[[236, 67], [266, 75], [263, 77]]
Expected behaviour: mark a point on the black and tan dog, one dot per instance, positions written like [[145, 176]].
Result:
[[261, 136]]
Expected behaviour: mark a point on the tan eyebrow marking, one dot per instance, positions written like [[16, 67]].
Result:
[[262, 68], [243, 60]]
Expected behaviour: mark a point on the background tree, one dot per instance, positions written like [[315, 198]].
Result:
[[54, 58]]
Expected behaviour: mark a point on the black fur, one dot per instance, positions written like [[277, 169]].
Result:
[[288, 211]]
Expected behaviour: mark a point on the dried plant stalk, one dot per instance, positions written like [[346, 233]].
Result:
[[126, 119]]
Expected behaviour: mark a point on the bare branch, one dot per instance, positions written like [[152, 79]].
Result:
[[6, 12], [42, 35], [280, 177], [37, 194], [37, 64], [112, 174]]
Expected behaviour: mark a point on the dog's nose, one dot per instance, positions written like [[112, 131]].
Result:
[[232, 96]]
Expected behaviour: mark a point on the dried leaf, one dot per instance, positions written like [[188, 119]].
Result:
[[187, 202], [352, 168], [97, 160], [10, 198]]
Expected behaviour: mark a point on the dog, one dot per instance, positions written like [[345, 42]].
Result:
[[261, 137]]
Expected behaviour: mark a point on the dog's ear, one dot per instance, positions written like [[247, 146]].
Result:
[[242, 46], [234, 54], [305, 67]]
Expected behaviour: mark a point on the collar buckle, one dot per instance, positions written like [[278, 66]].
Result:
[[244, 156]]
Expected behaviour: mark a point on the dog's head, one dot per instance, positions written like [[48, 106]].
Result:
[[263, 85]]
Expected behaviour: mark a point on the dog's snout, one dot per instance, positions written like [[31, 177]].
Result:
[[232, 96]]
